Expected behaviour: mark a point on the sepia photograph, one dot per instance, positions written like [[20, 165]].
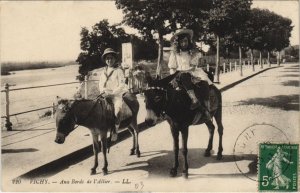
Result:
[[150, 96]]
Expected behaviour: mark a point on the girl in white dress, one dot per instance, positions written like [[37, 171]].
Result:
[[185, 59]]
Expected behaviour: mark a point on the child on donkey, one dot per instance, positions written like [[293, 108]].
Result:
[[112, 84], [184, 60]]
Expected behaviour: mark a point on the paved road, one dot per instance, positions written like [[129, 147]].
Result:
[[270, 100]]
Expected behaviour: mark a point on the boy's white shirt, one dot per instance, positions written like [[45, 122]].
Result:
[[115, 84]]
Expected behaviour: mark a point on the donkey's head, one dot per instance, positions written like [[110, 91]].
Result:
[[65, 120], [155, 100]]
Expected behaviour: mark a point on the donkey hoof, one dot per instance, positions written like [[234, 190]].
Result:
[[207, 154], [185, 174], [138, 153], [219, 156], [173, 172], [93, 171], [104, 170], [131, 152]]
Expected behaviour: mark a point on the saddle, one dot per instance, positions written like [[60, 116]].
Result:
[[130, 107], [201, 87]]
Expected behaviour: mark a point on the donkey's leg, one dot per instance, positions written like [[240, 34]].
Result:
[[218, 118], [132, 150], [136, 134], [211, 129], [96, 149], [185, 135], [175, 134], [104, 149]]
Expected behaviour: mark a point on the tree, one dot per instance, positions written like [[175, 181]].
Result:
[[265, 30], [143, 48], [282, 35], [223, 17], [254, 35], [162, 17], [93, 43]]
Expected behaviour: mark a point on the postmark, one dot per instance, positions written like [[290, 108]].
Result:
[[245, 151], [278, 167]]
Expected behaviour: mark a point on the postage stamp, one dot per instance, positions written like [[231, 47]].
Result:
[[247, 143], [278, 167]]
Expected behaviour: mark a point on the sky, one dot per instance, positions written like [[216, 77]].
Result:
[[49, 30]]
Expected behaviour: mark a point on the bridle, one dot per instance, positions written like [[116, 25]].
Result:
[[89, 112], [163, 113]]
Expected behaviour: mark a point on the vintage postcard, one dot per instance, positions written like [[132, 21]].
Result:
[[150, 96]]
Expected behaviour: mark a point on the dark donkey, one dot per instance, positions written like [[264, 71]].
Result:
[[162, 99], [98, 117]]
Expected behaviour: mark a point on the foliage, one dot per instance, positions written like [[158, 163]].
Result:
[[265, 30], [225, 16], [281, 33], [94, 42], [143, 49], [292, 51], [102, 36], [162, 17]]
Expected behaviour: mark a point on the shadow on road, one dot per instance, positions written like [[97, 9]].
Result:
[[18, 150], [159, 166], [284, 102], [295, 70], [289, 75], [66, 161], [291, 83]]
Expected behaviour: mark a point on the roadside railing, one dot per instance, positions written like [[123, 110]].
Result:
[[8, 90], [135, 81], [227, 67]]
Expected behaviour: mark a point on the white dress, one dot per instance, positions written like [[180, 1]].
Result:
[[185, 61]]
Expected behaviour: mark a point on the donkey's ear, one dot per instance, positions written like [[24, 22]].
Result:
[[57, 99], [157, 77]]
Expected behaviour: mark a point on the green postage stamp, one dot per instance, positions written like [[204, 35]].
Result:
[[278, 167]]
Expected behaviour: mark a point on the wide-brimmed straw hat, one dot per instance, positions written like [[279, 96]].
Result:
[[109, 51], [182, 31]]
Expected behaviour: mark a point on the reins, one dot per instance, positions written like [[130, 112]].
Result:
[[89, 112]]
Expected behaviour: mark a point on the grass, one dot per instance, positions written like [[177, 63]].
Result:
[[8, 67]]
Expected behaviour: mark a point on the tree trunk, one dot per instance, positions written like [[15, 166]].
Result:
[[240, 57], [160, 55], [278, 58], [252, 60], [260, 60], [269, 62], [216, 77]]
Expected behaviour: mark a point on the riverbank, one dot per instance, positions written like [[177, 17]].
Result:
[[8, 68]]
